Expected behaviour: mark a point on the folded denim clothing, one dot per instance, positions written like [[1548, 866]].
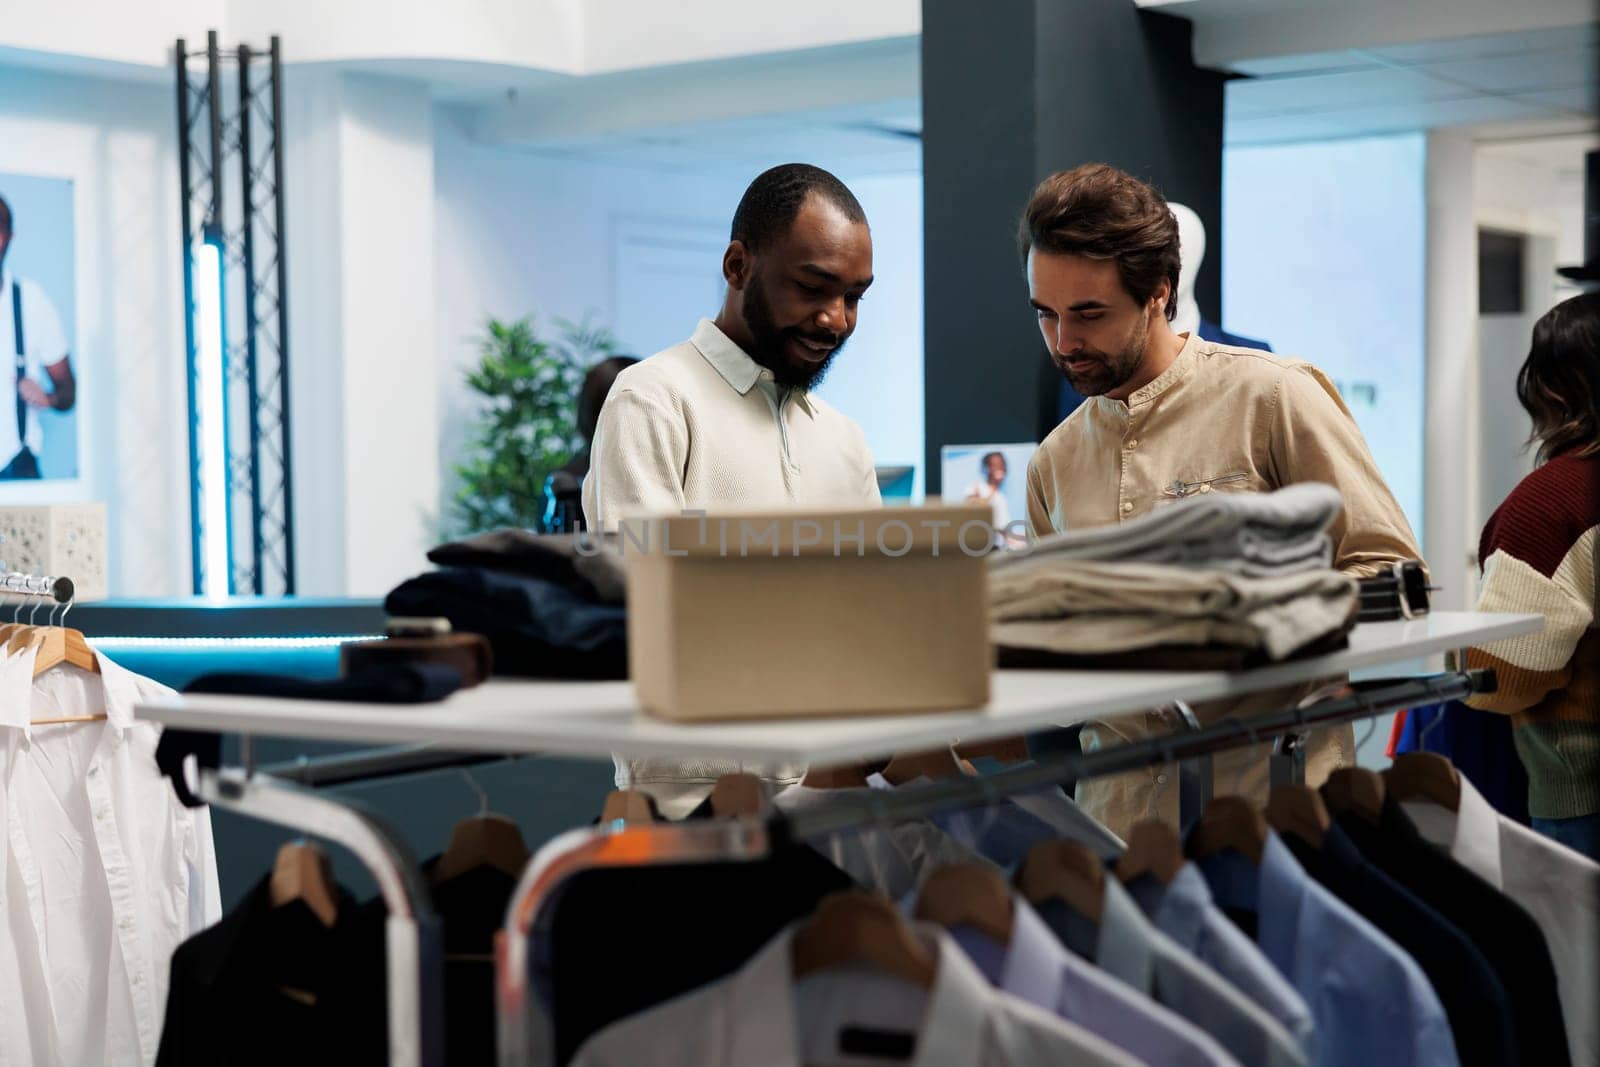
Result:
[[535, 626], [1086, 608], [1254, 534], [583, 563], [400, 683]]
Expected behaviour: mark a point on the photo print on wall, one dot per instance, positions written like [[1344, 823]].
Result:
[[38, 315]]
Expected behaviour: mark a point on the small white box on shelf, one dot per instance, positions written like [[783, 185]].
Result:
[[63, 540]]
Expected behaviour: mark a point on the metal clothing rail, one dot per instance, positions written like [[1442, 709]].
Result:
[[936, 797], [56, 588], [524, 1032], [412, 937], [372, 764]]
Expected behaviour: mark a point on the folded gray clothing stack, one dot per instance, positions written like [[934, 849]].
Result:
[[1253, 534], [1080, 609], [1219, 579]]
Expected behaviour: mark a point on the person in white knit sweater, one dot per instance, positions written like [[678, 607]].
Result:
[[728, 420]]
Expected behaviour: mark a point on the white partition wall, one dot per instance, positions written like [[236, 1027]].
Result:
[[1324, 250]]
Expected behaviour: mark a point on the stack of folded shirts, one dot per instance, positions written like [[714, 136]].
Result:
[[551, 605], [1253, 534], [1223, 581]]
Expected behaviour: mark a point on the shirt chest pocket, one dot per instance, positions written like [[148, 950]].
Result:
[[1232, 481]]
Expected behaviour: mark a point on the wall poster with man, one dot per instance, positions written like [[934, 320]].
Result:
[[990, 474], [38, 314]]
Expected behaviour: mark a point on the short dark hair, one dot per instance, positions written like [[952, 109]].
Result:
[[772, 202], [1101, 212], [1559, 383], [983, 464], [597, 382]]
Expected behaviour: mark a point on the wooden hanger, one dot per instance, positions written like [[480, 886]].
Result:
[[934, 765], [1064, 871], [1154, 849], [301, 873], [857, 927], [483, 840], [1298, 810], [1229, 823], [1001, 749], [59, 645], [1354, 790], [629, 805], [849, 776], [1424, 776], [738, 796], [968, 894]]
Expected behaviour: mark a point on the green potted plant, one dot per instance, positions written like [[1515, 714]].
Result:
[[526, 427]]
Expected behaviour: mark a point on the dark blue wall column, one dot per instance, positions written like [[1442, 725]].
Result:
[[1011, 91]]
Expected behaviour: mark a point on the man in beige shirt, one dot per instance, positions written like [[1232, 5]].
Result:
[[727, 419], [1169, 415]]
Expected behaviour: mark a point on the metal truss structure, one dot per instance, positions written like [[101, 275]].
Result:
[[230, 135]]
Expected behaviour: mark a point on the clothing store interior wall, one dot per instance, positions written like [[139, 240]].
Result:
[[1389, 198]]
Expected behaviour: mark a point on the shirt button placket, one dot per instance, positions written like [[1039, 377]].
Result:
[[1130, 442]]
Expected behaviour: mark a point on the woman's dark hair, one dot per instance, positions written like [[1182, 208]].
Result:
[[1101, 212], [1559, 383]]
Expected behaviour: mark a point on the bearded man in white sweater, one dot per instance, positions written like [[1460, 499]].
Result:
[[728, 419]]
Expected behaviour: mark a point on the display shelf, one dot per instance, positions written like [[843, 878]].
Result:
[[599, 718]]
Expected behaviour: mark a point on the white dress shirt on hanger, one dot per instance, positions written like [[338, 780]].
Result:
[[102, 872], [761, 1015], [1559, 887]]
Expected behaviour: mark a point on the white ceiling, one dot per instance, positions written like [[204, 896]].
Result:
[[1509, 86], [1548, 77]]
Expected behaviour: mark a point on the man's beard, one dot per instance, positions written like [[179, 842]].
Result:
[[1110, 371], [769, 343]]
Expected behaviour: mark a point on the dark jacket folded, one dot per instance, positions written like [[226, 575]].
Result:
[[536, 626], [400, 683], [586, 564]]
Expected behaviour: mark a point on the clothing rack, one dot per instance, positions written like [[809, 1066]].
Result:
[[412, 934], [510, 718], [524, 1034]]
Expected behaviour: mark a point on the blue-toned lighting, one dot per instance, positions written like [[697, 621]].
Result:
[[228, 642], [211, 396]]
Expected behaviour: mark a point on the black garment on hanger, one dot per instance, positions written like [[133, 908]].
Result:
[[613, 941], [536, 627], [1474, 998], [1502, 929], [270, 986], [471, 906], [399, 683]]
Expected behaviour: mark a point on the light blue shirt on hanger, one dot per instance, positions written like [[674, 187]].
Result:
[[1184, 911], [1371, 1002], [1036, 968]]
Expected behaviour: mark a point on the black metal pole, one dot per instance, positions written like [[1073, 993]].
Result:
[[283, 319], [219, 232], [248, 204], [370, 765], [949, 794], [186, 247]]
